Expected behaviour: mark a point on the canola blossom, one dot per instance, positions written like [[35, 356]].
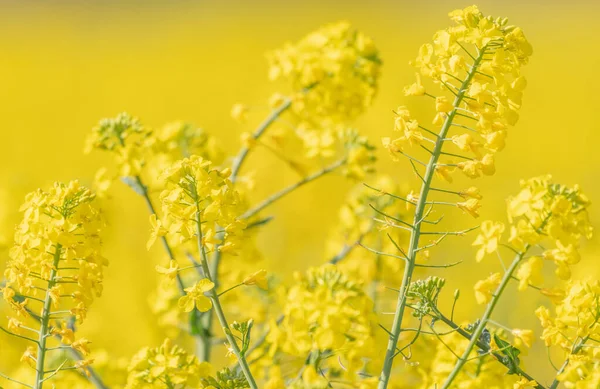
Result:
[[376, 311]]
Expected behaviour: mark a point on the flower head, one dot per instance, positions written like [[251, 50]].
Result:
[[195, 296]]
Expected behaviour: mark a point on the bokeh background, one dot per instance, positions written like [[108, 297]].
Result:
[[65, 65]]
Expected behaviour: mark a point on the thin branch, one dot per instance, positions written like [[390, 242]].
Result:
[[277, 196]]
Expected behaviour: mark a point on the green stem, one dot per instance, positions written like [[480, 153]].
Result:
[[508, 275], [44, 322], [575, 350], [203, 343], [475, 336], [230, 289], [416, 233], [485, 347], [277, 196], [239, 160], [217, 308]]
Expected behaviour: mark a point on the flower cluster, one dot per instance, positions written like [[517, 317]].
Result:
[[125, 136], [57, 251], [335, 69], [326, 314], [139, 150], [175, 141], [477, 64], [225, 379], [198, 201], [574, 323], [542, 212], [165, 366]]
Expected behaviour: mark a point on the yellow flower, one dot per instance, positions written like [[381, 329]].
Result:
[[239, 112], [443, 104], [83, 365], [156, 231], [471, 192], [523, 336], [416, 89], [55, 292], [248, 139], [530, 273], [14, 325], [524, 383], [469, 206], [81, 345], [471, 169], [484, 289], [276, 100], [195, 296], [29, 356], [67, 336], [555, 295], [488, 238], [466, 142], [444, 172], [170, 272], [258, 278]]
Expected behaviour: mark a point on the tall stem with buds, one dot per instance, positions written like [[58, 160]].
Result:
[[416, 227]]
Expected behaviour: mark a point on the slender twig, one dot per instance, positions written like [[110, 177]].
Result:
[[277, 196], [239, 160], [15, 381], [17, 335]]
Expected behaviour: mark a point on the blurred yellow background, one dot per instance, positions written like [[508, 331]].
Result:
[[65, 65]]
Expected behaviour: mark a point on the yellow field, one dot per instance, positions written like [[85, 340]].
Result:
[[66, 65]]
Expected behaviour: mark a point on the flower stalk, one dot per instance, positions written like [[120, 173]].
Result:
[[417, 222], [239, 160], [45, 321], [214, 297], [474, 339]]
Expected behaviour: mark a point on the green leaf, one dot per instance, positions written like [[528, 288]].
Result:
[[511, 354]]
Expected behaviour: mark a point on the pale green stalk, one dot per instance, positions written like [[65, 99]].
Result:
[[94, 377], [239, 160], [217, 308], [474, 337], [416, 230], [44, 322], [277, 196], [484, 347], [508, 275]]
